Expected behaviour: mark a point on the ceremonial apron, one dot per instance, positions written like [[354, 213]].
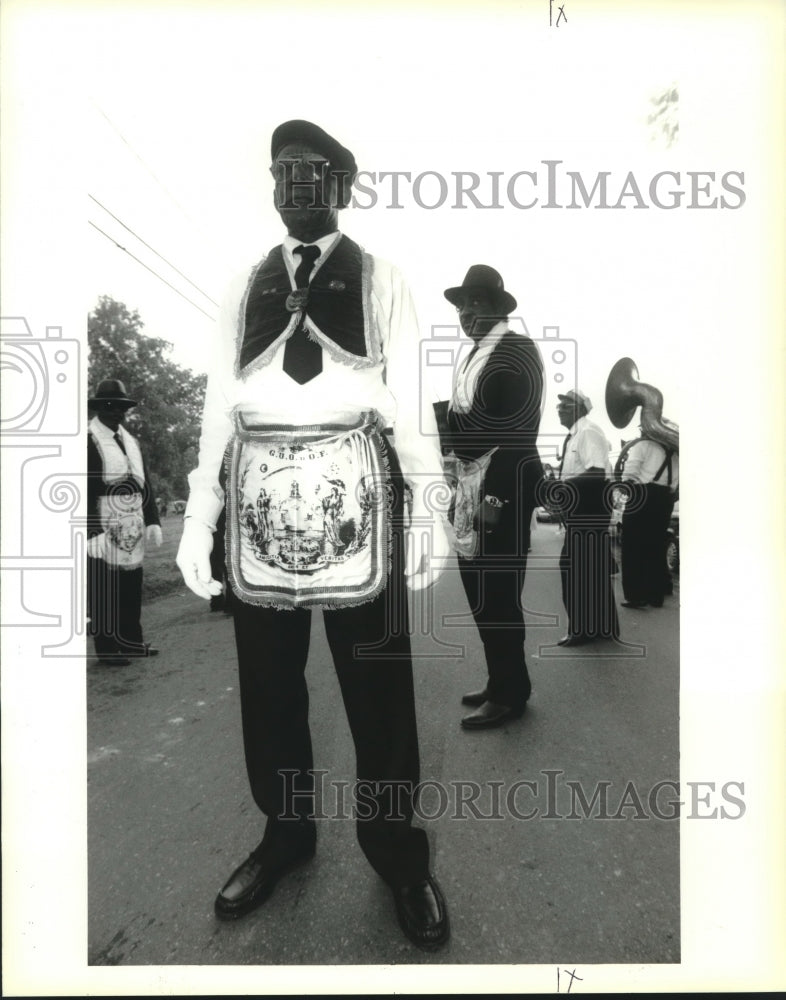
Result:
[[470, 478], [120, 506], [308, 514]]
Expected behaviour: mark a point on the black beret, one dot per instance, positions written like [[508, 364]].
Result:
[[341, 159]]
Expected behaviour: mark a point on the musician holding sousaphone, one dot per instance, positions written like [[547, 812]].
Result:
[[648, 468]]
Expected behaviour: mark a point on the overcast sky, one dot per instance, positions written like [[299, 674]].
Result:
[[177, 142]]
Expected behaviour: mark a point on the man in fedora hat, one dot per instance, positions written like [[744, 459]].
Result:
[[586, 559], [122, 516], [493, 423], [314, 362]]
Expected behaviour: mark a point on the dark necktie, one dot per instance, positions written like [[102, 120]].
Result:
[[119, 442], [303, 357], [562, 456]]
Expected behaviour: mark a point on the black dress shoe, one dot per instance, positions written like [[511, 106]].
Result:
[[251, 883], [474, 698], [422, 913], [575, 640], [490, 714]]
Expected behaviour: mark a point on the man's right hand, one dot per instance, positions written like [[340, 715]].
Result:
[[193, 559]]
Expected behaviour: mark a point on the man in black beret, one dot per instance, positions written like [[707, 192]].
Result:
[[316, 360], [493, 422]]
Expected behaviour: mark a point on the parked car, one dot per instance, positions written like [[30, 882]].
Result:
[[545, 514]]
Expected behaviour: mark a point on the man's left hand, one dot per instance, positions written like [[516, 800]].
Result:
[[153, 535], [487, 518]]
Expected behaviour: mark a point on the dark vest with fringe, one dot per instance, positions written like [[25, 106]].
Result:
[[336, 302]]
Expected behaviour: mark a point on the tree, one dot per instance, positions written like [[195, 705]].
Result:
[[169, 398]]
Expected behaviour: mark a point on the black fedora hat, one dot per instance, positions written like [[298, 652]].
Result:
[[482, 278], [341, 160], [110, 390]]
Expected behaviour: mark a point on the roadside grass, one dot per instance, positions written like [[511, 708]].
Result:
[[161, 575]]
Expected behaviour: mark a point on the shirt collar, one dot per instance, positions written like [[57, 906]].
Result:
[[580, 424], [324, 242], [492, 338], [100, 429]]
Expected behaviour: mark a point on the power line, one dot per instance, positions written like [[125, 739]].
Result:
[[167, 262], [144, 163], [147, 268]]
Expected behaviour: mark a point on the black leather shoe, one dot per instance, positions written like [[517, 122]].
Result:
[[575, 640], [251, 883], [422, 913], [474, 698], [490, 714]]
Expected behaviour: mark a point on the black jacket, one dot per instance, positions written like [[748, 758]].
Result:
[[505, 413]]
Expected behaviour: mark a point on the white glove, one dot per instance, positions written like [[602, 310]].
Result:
[[193, 558], [153, 535], [427, 553], [96, 546]]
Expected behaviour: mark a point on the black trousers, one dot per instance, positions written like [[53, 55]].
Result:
[[370, 646], [114, 605], [493, 582], [645, 576], [586, 564]]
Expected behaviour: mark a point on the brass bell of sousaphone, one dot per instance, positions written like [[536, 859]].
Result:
[[624, 393]]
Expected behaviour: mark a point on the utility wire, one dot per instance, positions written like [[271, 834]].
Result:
[[163, 187], [144, 243], [125, 250]]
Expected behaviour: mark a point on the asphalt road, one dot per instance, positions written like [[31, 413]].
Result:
[[532, 873]]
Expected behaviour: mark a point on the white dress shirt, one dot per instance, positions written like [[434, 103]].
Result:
[[467, 374], [340, 393], [586, 448], [116, 463], [643, 461]]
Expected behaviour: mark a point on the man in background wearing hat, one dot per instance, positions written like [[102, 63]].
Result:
[[586, 560], [122, 516], [317, 356], [493, 423]]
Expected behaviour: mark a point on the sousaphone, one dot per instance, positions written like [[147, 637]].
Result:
[[624, 394]]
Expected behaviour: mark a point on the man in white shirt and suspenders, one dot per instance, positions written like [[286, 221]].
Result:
[[652, 474]]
